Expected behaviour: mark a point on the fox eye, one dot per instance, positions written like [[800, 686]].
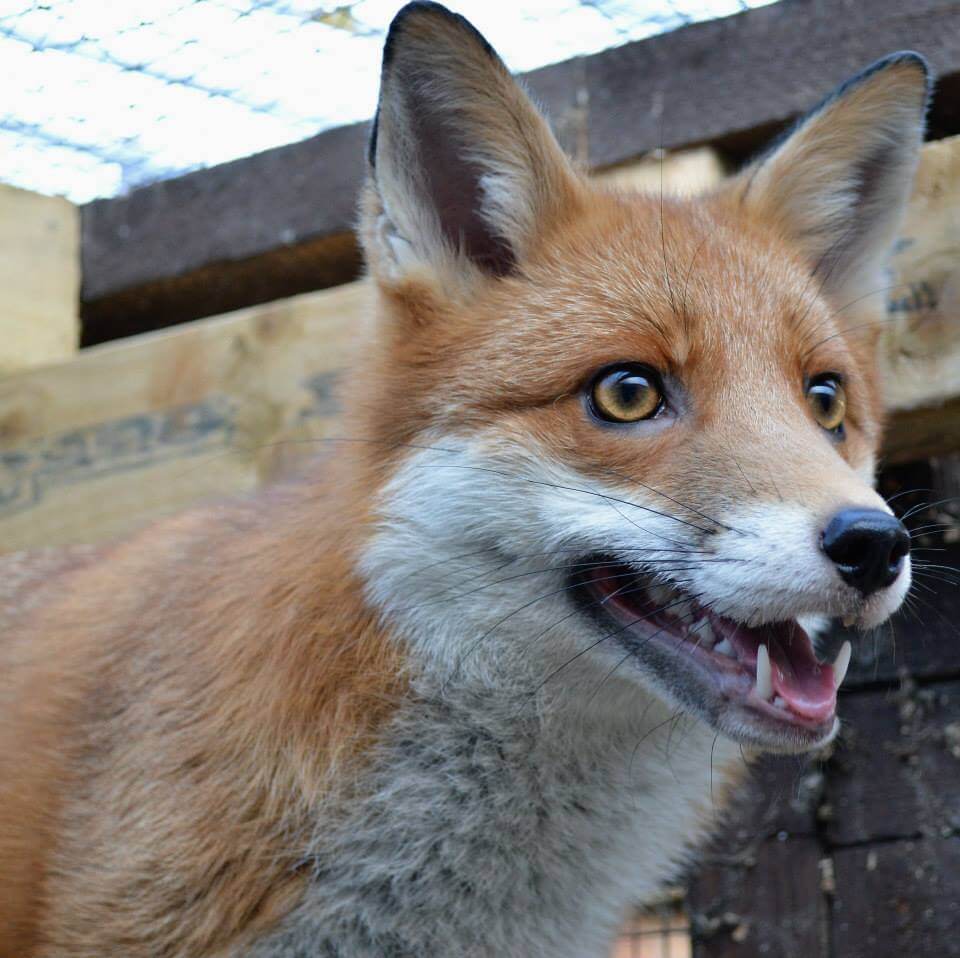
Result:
[[828, 402], [628, 392]]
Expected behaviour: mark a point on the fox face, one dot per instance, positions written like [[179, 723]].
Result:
[[631, 439]]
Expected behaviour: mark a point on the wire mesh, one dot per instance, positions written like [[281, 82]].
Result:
[[103, 96], [657, 931]]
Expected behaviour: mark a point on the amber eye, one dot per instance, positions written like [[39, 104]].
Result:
[[627, 393], [828, 401]]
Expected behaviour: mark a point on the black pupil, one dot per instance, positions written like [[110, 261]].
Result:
[[825, 395], [631, 388]]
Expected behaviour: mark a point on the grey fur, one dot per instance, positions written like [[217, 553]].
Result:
[[489, 830]]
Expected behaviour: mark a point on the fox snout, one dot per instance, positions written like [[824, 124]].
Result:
[[869, 548]]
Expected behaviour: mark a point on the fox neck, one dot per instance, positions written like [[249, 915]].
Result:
[[485, 819], [516, 799]]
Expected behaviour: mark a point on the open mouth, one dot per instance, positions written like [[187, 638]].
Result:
[[768, 675]]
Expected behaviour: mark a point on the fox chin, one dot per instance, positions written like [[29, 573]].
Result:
[[478, 682]]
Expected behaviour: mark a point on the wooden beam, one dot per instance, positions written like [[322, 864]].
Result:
[[39, 279], [141, 428], [897, 899], [686, 172], [922, 330], [770, 905], [733, 82]]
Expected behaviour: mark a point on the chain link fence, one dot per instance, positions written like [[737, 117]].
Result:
[[101, 96]]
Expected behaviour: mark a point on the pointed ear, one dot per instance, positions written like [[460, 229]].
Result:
[[464, 172], [838, 184]]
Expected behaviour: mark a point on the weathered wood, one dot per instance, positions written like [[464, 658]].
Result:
[[895, 773], [714, 80], [39, 279], [884, 851], [897, 900], [763, 857], [772, 905], [923, 432], [922, 328], [137, 429], [734, 81], [685, 172]]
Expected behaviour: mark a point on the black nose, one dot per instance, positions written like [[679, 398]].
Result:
[[868, 547]]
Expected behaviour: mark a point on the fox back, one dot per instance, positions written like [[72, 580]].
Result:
[[483, 677]]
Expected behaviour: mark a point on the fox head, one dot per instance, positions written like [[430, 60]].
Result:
[[635, 433]]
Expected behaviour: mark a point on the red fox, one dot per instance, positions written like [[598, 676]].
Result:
[[479, 681]]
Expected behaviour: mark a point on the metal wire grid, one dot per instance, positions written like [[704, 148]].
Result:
[[104, 95], [659, 931]]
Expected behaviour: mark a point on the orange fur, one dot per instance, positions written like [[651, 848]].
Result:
[[174, 710], [178, 706], [213, 674]]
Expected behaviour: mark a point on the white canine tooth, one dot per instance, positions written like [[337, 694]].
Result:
[[764, 676], [725, 648], [662, 595], [848, 620], [841, 664], [779, 702]]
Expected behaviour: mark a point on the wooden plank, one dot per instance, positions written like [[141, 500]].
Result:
[[926, 431], [713, 81], [896, 772], [686, 172], [772, 906], [756, 886], [920, 342], [922, 330], [734, 81], [897, 900], [39, 279], [137, 429]]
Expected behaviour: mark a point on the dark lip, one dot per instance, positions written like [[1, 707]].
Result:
[[716, 688]]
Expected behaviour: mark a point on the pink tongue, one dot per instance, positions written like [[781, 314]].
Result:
[[799, 678]]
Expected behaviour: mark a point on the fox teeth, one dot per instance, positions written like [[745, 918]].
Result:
[[661, 594], [704, 632], [764, 674], [841, 664], [725, 648]]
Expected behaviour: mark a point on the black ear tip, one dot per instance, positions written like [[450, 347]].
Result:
[[426, 9], [902, 58], [372, 142], [919, 62], [909, 57]]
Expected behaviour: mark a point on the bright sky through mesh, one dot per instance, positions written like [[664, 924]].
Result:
[[103, 95]]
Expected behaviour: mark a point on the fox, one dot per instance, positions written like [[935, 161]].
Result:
[[484, 676]]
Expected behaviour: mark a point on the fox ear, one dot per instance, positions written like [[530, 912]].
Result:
[[464, 171], [838, 184]]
